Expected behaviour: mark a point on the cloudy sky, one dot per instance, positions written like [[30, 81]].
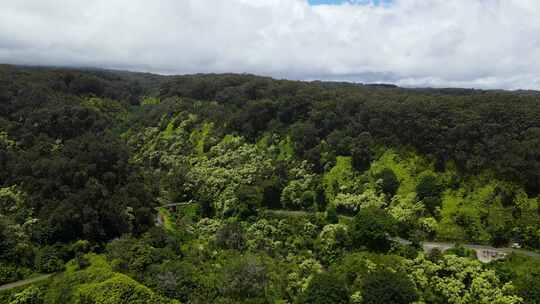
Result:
[[457, 43]]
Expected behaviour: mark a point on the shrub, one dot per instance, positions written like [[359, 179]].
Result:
[[48, 260]]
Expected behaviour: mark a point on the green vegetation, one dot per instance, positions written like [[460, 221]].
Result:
[[263, 191]]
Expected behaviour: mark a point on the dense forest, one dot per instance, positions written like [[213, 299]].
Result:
[[140, 188]]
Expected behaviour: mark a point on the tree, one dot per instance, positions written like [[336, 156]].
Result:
[[371, 228], [361, 153], [389, 181], [325, 288], [245, 277], [386, 286], [48, 260], [249, 200], [428, 190], [231, 236], [331, 215], [453, 279], [31, 295], [333, 240]]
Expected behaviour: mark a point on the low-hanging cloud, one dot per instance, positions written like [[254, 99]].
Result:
[[466, 43]]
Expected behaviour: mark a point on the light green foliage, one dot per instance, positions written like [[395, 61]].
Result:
[[340, 179], [63, 288], [529, 223], [286, 149], [405, 209], [458, 280], [429, 226], [229, 164], [96, 284], [119, 289], [332, 241], [214, 176], [12, 203], [298, 189], [263, 236], [463, 208], [148, 100], [178, 127], [406, 165], [303, 273], [206, 228], [352, 203], [199, 138], [165, 147], [523, 272], [30, 295], [5, 141]]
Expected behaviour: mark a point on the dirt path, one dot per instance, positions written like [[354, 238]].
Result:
[[25, 282]]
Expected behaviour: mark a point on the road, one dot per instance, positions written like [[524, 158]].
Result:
[[484, 253], [25, 282]]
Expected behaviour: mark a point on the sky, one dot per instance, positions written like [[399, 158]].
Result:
[[491, 44]]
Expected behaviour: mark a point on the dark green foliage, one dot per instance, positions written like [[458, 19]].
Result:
[[331, 215], [245, 278], [385, 286], [10, 273], [173, 279], [462, 251], [429, 190], [524, 273], [361, 153], [372, 228], [89, 155], [389, 182], [326, 288], [428, 186], [435, 255], [48, 260], [250, 198], [81, 261], [304, 136], [231, 236], [30, 295]]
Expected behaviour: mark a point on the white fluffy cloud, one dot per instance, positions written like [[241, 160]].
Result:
[[466, 43]]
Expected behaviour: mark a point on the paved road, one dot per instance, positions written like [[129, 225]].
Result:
[[25, 282], [484, 253]]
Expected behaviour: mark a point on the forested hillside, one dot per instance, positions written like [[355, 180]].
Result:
[[140, 188]]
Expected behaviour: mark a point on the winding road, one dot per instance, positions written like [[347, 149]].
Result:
[[25, 282], [484, 253]]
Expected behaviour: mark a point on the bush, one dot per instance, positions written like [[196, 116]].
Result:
[[231, 236], [331, 215], [462, 251], [326, 288], [372, 227], [31, 295], [389, 182], [385, 286], [48, 260], [9, 273], [119, 289]]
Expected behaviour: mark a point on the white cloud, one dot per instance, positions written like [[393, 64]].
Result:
[[470, 43]]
